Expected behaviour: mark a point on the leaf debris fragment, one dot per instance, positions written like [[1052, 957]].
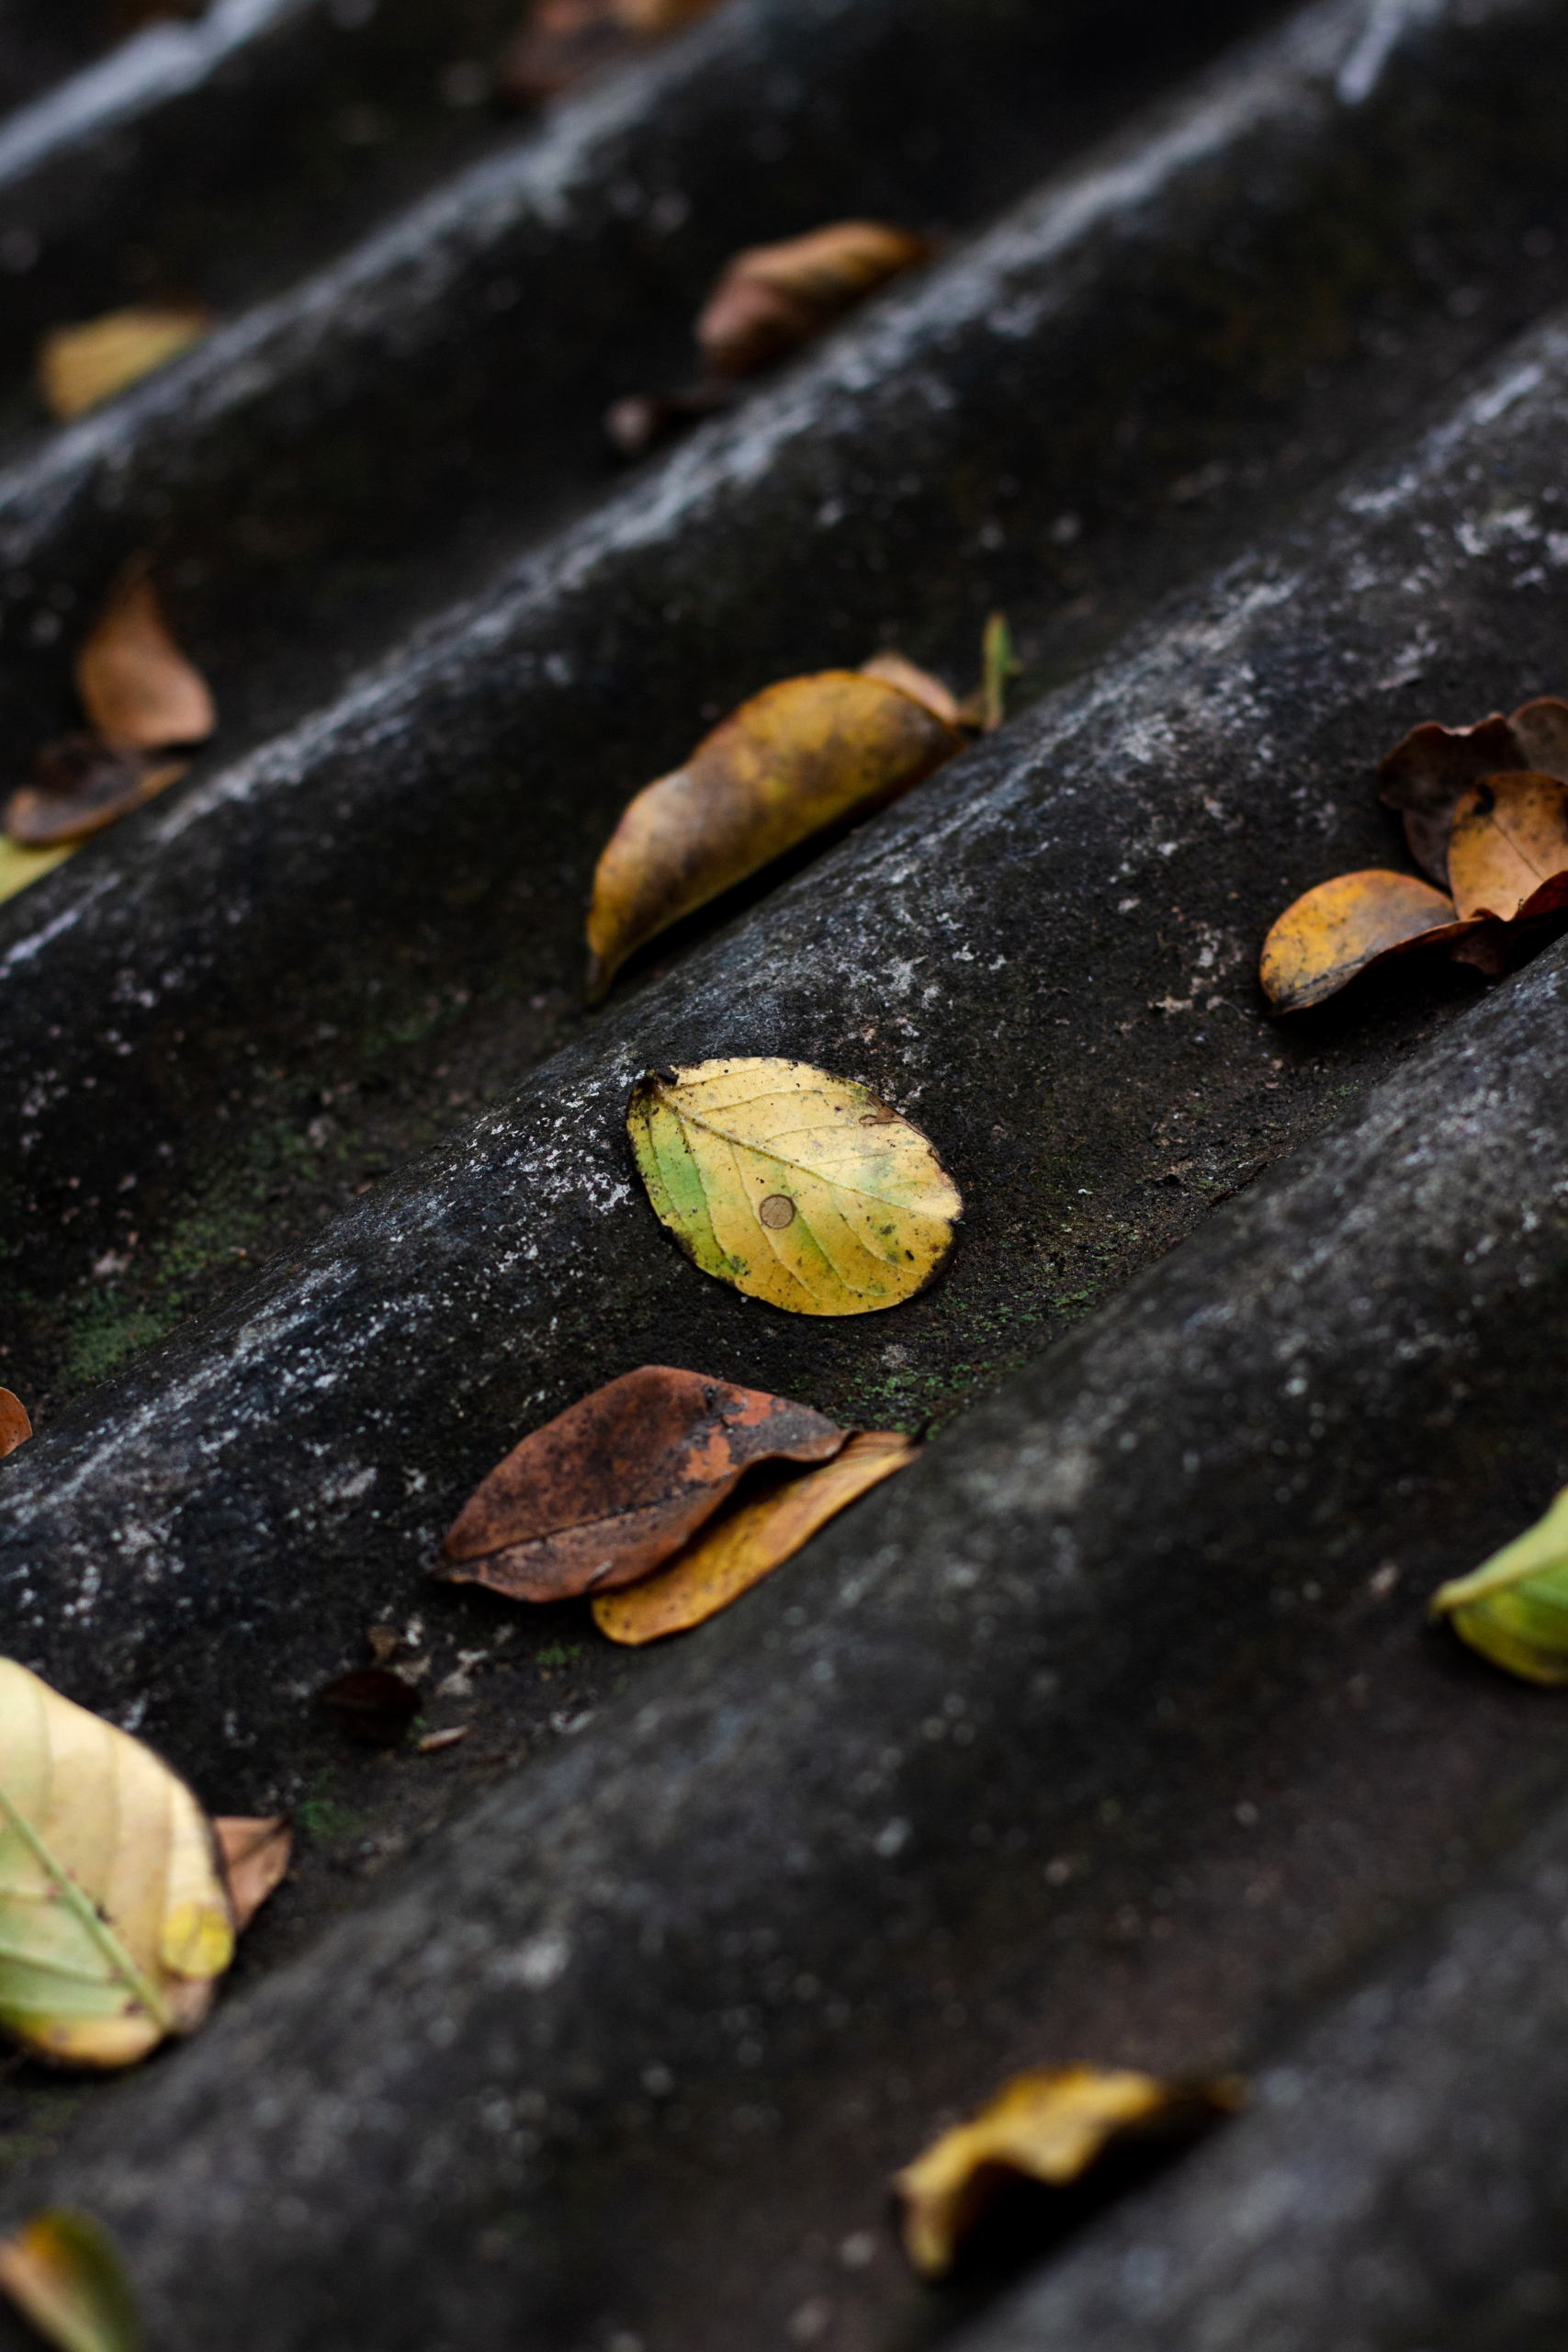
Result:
[[82, 367], [1514, 1609]]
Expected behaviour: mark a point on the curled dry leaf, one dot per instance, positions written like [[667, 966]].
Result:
[[610, 1488], [1429, 771], [255, 1854], [918, 684], [756, 1534], [562, 39], [82, 783], [1341, 927], [1509, 848], [773, 297], [113, 1919], [798, 1187], [1514, 1608], [797, 757], [372, 1705], [64, 2273], [136, 686], [79, 367], [15, 1425], [1048, 2126]]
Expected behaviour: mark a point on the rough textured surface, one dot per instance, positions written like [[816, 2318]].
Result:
[[633, 2033], [1401, 2182], [395, 887]]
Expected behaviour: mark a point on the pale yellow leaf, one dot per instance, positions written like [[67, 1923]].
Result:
[[113, 1917], [81, 365], [754, 1537], [798, 1187], [18, 866], [64, 2272], [1514, 1608]]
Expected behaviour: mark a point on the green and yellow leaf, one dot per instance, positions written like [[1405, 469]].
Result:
[[63, 2272], [799, 1188], [113, 1917], [1514, 1608]]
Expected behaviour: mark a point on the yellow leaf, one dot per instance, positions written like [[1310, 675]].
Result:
[[1509, 848], [64, 2272], [798, 1188], [757, 1535], [1048, 2126], [1514, 1608], [18, 866], [113, 1918], [796, 757], [79, 367], [1332, 933]]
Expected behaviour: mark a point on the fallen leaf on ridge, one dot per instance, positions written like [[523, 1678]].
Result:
[[918, 684], [1514, 1608], [64, 2273], [1341, 927], [606, 1491], [255, 1854], [798, 1187], [370, 1706], [113, 1919], [136, 686], [771, 298], [1508, 847], [82, 783], [797, 757], [15, 1425], [562, 39], [748, 1541], [80, 366], [1429, 770], [21, 867], [1048, 2126]]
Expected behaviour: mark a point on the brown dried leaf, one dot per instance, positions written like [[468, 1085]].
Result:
[[372, 1706], [562, 39], [1340, 928], [771, 298], [797, 757], [79, 367], [757, 1533], [15, 1428], [615, 1484], [1048, 2126], [136, 686], [82, 783], [1508, 849], [918, 683], [1428, 773], [255, 1854]]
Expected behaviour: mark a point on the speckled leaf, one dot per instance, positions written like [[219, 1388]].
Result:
[[755, 1535], [1508, 847], [1514, 1608], [798, 1187], [64, 2271], [113, 1918], [1048, 2126], [1429, 770]]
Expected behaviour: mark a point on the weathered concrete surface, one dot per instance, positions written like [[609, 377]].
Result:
[[1401, 2182], [1053, 935], [410, 864], [1099, 1733]]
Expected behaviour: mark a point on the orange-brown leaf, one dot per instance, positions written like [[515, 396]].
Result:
[[1429, 771], [562, 39], [136, 686], [1338, 929], [917, 683], [15, 1428], [796, 758], [610, 1488], [746, 1541], [80, 784], [773, 297], [1508, 849], [255, 1854]]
